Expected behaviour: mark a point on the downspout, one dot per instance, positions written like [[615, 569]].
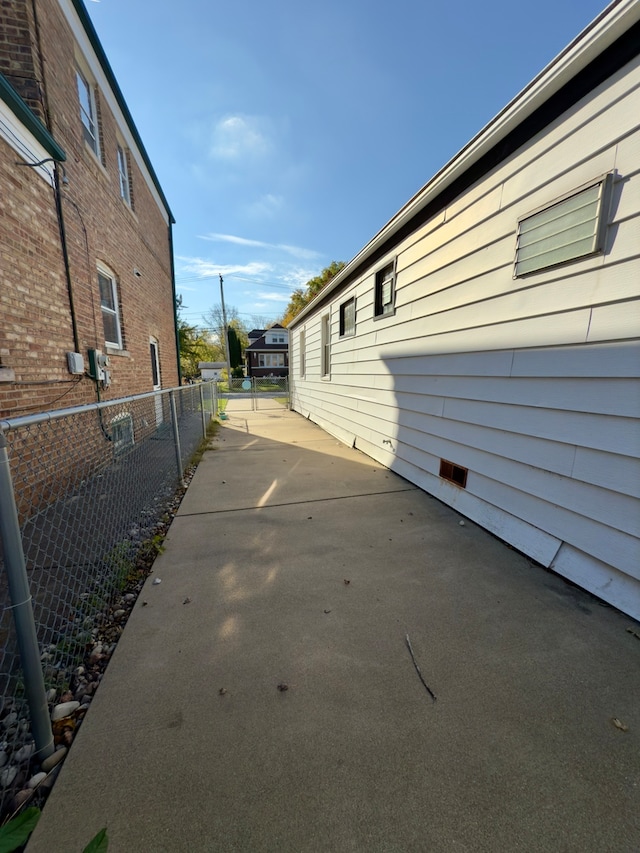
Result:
[[65, 256], [175, 307], [56, 179]]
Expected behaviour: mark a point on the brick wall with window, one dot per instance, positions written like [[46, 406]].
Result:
[[103, 232]]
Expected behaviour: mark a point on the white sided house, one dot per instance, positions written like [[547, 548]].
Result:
[[485, 344]]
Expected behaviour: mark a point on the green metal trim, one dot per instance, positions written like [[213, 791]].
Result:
[[88, 27], [33, 124]]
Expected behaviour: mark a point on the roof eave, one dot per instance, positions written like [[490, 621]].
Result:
[[33, 124], [92, 35]]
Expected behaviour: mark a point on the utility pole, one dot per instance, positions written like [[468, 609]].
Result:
[[226, 332]]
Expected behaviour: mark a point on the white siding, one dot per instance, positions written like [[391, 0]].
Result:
[[530, 383]]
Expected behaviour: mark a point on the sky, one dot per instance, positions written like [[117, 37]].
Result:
[[286, 134]]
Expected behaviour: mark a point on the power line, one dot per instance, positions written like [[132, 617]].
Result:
[[259, 281]]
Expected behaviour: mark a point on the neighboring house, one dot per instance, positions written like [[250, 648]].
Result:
[[211, 369], [87, 307], [485, 344], [268, 352]]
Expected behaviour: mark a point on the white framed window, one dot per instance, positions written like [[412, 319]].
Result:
[[326, 346], [271, 359], [110, 309], [303, 355], [570, 228], [123, 175], [88, 112], [384, 302], [348, 318]]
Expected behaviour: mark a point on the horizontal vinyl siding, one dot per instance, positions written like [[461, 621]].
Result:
[[530, 383]]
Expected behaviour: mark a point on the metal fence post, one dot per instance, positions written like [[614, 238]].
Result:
[[22, 609], [176, 434], [204, 417]]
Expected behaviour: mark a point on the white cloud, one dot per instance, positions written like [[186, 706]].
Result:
[[274, 297], [296, 251], [266, 207], [204, 268], [240, 137]]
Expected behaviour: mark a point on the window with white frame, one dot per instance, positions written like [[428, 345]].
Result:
[[384, 302], [348, 318], [109, 305], [326, 346], [572, 227], [303, 355], [88, 112], [271, 359], [123, 175]]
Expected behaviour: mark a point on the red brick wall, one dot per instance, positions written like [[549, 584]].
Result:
[[35, 319], [18, 62]]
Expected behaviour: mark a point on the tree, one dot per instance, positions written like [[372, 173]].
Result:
[[195, 346], [301, 297], [215, 323], [235, 348]]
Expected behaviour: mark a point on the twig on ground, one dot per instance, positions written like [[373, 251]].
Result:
[[415, 663]]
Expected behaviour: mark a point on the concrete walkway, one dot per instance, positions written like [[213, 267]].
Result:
[[306, 564]]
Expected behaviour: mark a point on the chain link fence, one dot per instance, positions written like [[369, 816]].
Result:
[[265, 392], [92, 489]]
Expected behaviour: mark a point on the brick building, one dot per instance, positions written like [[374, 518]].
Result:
[[85, 229]]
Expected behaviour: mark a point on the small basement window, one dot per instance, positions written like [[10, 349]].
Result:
[[122, 433], [454, 473], [571, 228]]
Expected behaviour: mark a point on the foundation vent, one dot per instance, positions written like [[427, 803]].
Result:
[[454, 473]]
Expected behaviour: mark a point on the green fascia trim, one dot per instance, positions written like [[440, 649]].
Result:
[[33, 124], [88, 27]]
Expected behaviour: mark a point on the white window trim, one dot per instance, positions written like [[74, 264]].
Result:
[[302, 343], [107, 273], [599, 232], [325, 346], [85, 79], [123, 173], [265, 359]]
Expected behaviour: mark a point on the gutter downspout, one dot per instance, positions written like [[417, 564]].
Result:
[[65, 256]]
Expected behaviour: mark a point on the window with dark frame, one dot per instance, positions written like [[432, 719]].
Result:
[[348, 318], [385, 290]]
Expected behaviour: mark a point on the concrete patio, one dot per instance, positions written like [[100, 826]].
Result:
[[263, 696]]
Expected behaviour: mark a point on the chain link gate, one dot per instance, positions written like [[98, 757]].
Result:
[[85, 491], [265, 392]]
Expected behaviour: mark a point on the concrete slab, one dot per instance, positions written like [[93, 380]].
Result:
[[518, 752]]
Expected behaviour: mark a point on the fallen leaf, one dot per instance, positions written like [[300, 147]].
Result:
[[619, 724], [144, 603], [282, 686], [187, 600], [222, 691], [633, 633], [346, 582], [327, 611]]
